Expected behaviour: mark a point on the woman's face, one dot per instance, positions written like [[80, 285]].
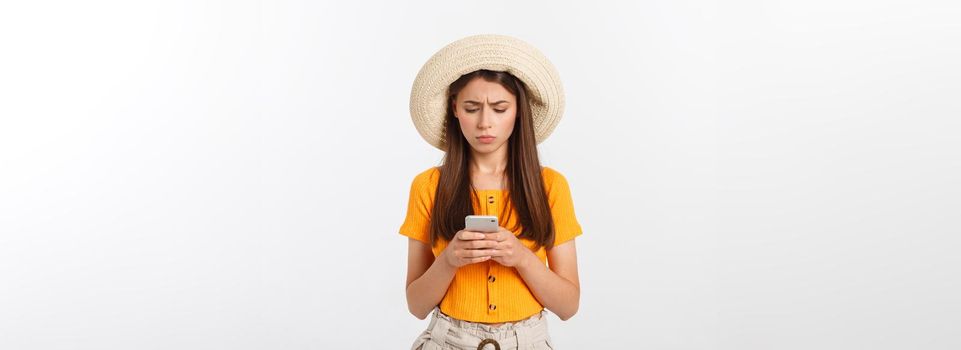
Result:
[[485, 109]]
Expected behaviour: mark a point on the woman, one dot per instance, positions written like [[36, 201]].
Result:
[[489, 289]]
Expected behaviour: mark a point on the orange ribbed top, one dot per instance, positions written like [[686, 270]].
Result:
[[488, 291]]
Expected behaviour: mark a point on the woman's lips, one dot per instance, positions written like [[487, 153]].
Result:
[[486, 139]]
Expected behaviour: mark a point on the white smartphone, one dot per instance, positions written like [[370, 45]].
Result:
[[481, 223]]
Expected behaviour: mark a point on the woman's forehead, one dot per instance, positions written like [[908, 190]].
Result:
[[482, 91]]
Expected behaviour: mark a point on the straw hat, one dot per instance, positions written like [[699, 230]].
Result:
[[428, 96]]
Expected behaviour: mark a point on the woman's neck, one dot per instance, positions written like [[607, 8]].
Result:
[[489, 164]]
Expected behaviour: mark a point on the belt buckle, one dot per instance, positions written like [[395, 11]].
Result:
[[488, 341]]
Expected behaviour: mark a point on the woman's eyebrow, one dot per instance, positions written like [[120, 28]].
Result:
[[495, 103]]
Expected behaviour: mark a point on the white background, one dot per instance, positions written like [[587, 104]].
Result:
[[232, 174]]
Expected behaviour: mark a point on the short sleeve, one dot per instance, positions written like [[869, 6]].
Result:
[[417, 222], [566, 226]]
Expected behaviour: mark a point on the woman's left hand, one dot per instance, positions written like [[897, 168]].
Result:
[[509, 250]]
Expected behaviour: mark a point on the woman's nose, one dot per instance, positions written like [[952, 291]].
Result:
[[484, 122]]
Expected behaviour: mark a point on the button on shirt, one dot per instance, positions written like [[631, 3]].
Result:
[[488, 291]]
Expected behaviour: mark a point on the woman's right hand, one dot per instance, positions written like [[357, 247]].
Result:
[[468, 247]]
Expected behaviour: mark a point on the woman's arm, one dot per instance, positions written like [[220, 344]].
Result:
[[427, 279], [557, 288]]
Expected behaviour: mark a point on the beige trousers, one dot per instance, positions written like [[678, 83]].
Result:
[[445, 332]]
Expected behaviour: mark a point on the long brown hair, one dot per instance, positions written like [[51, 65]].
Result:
[[452, 200]]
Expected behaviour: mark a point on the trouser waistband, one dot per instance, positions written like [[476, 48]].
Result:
[[445, 329]]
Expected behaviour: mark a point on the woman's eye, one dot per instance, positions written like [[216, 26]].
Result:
[[500, 111], [471, 110]]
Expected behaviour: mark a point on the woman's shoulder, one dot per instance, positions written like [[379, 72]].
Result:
[[428, 176], [551, 176]]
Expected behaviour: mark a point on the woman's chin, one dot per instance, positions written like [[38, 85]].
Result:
[[484, 148]]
